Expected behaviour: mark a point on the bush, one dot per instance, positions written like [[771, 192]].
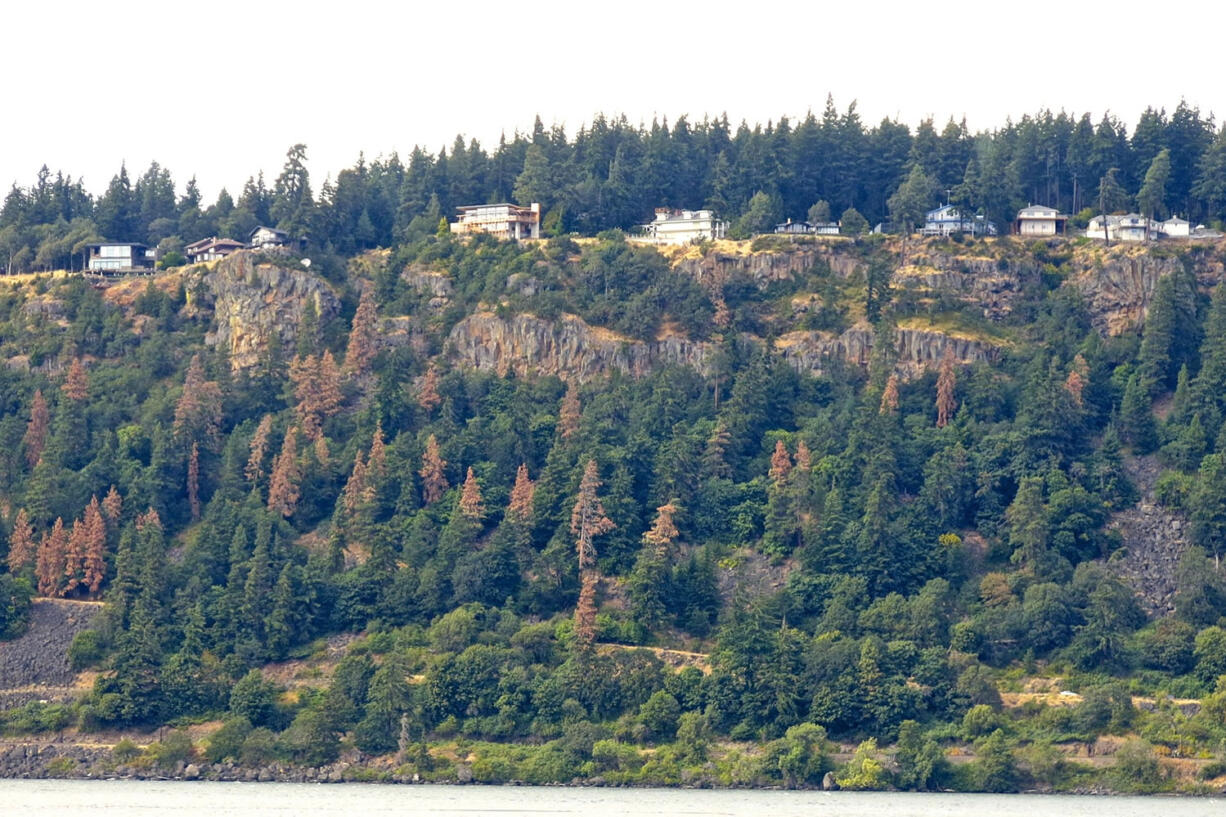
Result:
[[172, 750], [227, 742], [1173, 489], [125, 751], [85, 651]]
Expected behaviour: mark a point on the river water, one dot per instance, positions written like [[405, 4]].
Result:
[[121, 798]]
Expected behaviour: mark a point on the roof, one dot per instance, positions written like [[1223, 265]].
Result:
[[212, 241], [273, 230], [465, 207], [118, 244], [1174, 220], [1037, 211]]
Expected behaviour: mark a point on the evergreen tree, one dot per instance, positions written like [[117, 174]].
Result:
[[433, 478]]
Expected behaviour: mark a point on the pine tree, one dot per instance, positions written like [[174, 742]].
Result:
[[22, 547], [471, 504], [76, 382], [427, 393], [588, 519], [714, 462], [1077, 379], [193, 482], [198, 410], [283, 484], [781, 464], [112, 508], [317, 390], [570, 412], [376, 460], [94, 563], [889, 395], [585, 608], [1154, 358], [259, 446], [361, 349], [74, 557], [432, 473], [35, 439], [1136, 418], [52, 550], [664, 530], [519, 509], [946, 403]]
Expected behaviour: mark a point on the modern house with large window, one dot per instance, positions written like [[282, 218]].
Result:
[[950, 218], [509, 221], [210, 249], [119, 256]]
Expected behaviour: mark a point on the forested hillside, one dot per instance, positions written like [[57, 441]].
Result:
[[941, 513]]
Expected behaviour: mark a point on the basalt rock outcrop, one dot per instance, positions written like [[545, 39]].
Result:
[[990, 284], [1118, 282], [567, 347], [918, 349], [35, 666], [252, 297]]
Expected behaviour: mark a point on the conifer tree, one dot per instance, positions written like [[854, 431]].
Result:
[[1154, 358], [1075, 383], [198, 410], [317, 390], [35, 439], [587, 521], [946, 380], [781, 464], [283, 484], [889, 395], [23, 548], [471, 504], [94, 564], [193, 482], [259, 447], [74, 557], [663, 531], [427, 392], [376, 460], [714, 462], [433, 477], [112, 508], [569, 413], [519, 508], [1136, 418], [76, 382], [361, 349], [52, 551]]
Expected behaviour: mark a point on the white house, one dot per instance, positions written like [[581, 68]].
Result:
[[1038, 220], [115, 256], [509, 221], [1130, 227], [950, 218], [684, 226], [1175, 227], [790, 227]]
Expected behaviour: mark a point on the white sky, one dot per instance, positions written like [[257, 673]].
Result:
[[221, 89]]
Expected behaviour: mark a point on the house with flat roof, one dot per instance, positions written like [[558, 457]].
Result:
[[1039, 220], [683, 226], [210, 249], [504, 220], [790, 227], [119, 256]]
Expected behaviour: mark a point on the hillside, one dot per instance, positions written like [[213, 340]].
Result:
[[583, 510]]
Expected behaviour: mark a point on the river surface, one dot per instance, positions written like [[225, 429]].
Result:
[[121, 798]]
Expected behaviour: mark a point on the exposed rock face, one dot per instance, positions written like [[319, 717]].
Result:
[[992, 284], [434, 282], [35, 666], [567, 347], [1118, 282], [1154, 540], [918, 349], [765, 267], [252, 298]]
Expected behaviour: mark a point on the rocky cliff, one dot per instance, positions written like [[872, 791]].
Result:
[[1118, 282], [252, 296], [919, 348], [35, 666], [567, 347]]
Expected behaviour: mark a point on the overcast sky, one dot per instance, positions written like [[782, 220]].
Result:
[[221, 89]]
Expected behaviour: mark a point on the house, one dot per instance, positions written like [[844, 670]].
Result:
[[1175, 227], [509, 221], [826, 228], [210, 249], [1038, 220], [120, 256], [950, 218], [790, 227], [1135, 227], [684, 226], [269, 238]]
